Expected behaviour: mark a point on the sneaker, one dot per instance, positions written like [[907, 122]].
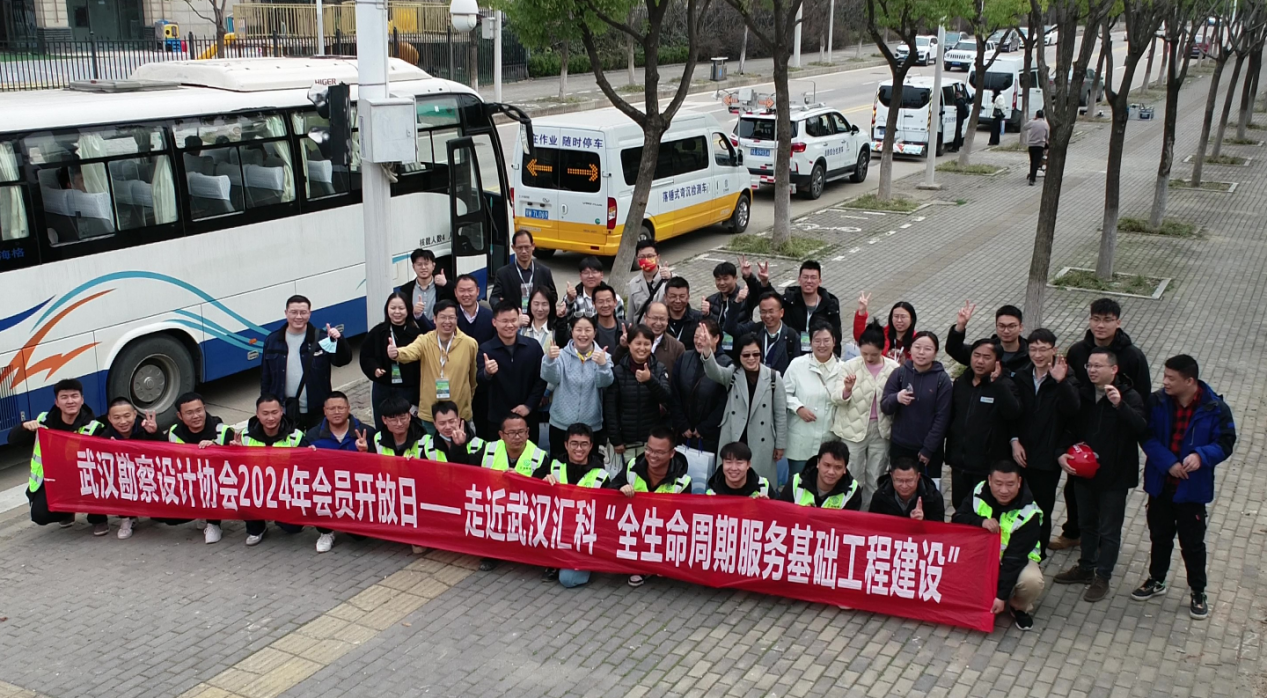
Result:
[[255, 539], [1199, 609], [200, 524], [125, 528], [551, 574], [1062, 543], [324, 542], [1024, 621], [211, 534], [1097, 591], [636, 580], [1150, 588], [66, 523], [101, 529], [1074, 575], [489, 564]]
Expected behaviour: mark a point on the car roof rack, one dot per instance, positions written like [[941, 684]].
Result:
[[745, 100]]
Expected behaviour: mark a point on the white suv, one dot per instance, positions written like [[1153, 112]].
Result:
[[925, 50], [825, 147]]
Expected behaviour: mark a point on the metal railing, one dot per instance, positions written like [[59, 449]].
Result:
[[55, 64], [257, 19]]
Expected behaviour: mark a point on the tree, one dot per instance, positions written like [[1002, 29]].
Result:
[[546, 25], [219, 8], [1179, 37], [775, 32], [984, 18], [904, 18], [1250, 91], [1034, 38], [1219, 41], [652, 118], [1142, 18], [1062, 90], [1246, 32]]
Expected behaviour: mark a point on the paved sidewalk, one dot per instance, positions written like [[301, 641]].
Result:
[[163, 615]]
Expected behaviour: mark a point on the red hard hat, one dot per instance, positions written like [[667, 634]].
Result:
[[1083, 461]]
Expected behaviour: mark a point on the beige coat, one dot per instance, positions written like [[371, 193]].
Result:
[[853, 416]]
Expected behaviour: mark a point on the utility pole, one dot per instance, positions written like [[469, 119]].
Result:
[[831, 24], [321, 31], [935, 119], [371, 60], [796, 39]]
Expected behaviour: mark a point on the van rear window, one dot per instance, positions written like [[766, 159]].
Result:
[[912, 97], [761, 129], [994, 82], [567, 170]]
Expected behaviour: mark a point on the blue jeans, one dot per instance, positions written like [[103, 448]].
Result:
[[573, 578], [782, 468]]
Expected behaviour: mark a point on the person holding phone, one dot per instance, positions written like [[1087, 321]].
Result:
[[917, 396]]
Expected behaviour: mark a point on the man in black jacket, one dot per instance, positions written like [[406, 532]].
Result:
[[121, 424], [698, 403], [69, 413], [515, 281], [1105, 330], [982, 402], [428, 286], [731, 296], [1008, 326], [908, 493], [683, 319], [779, 343], [509, 370], [1111, 421], [809, 302], [296, 366], [825, 482], [1049, 401], [194, 426], [1003, 505]]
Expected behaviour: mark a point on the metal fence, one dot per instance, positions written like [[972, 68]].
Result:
[[263, 19], [55, 64]]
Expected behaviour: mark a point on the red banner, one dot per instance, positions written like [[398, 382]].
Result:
[[934, 572]]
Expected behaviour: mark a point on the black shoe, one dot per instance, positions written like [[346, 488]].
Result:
[[1074, 575], [1024, 621], [1199, 609], [488, 564], [1031, 182], [1097, 591], [1150, 588], [551, 574]]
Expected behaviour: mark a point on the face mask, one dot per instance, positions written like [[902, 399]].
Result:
[[647, 264]]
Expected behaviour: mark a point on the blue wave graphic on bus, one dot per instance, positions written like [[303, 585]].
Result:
[[395, 259], [12, 320], [197, 322]]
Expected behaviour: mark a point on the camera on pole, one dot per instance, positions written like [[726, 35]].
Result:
[[334, 104]]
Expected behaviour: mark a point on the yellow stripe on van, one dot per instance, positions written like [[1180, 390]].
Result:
[[597, 240]]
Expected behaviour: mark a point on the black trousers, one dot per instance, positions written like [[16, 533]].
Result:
[[1103, 512], [962, 483], [255, 528], [1166, 518], [41, 516], [1035, 160], [1043, 485], [933, 469], [1073, 527]]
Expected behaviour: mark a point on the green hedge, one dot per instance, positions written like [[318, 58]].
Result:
[[547, 63]]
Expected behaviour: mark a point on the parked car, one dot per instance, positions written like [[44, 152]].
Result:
[[925, 48], [964, 55], [1008, 38], [825, 147], [1051, 35]]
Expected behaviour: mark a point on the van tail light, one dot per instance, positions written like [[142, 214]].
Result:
[[512, 198], [734, 141], [1015, 97], [611, 213], [798, 147]]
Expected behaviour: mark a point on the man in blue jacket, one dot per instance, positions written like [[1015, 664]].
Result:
[[1190, 431], [339, 431], [296, 366]]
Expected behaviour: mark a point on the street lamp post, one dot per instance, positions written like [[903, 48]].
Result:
[[934, 117]]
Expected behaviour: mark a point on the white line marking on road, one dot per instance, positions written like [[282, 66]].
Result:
[[857, 218], [837, 258], [853, 250], [917, 219], [13, 497], [889, 233], [904, 226], [873, 213], [706, 258], [873, 241]]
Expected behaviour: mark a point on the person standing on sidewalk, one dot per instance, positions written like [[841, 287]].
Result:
[[296, 365], [509, 368], [983, 403], [69, 413], [515, 281], [388, 377], [917, 397], [1190, 432], [859, 421], [999, 123], [698, 403], [731, 296], [811, 409], [581, 300], [1008, 328], [1034, 137], [1111, 422], [899, 333], [194, 426], [1105, 330], [270, 427], [428, 286], [649, 285], [1049, 402], [756, 406], [683, 319], [447, 360], [808, 303]]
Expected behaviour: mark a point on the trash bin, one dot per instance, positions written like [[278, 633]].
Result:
[[718, 73]]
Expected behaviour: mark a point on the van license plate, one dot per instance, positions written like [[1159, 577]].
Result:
[[759, 152], [538, 213], [879, 132]]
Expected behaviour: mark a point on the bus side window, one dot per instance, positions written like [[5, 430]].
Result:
[[322, 177], [13, 221], [234, 163]]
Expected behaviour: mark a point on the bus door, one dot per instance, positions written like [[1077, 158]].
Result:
[[469, 217]]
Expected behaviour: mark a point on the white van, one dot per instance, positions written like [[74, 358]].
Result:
[[575, 192], [1007, 76], [916, 120]]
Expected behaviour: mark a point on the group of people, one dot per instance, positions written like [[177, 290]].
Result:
[[647, 392]]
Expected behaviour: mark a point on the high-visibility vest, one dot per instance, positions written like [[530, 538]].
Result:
[[37, 459], [805, 498], [678, 486], [415, 449], [220, 440], [1009, 521], [295, 438], [496, 458], [429, 450], [91, 428], [763, 485], [595, 478]]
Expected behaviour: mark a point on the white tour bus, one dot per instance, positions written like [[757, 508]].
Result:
[[574, 191], [151, 230]]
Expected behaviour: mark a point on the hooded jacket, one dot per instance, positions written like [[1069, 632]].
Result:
[[1113, 433], [285, 428], [1130, 361], [631, 409], [979, 432], [321, 437], [923, 423], [578, 392], [52, 420], [809, 481], [1013, 363], [213, 429], [316, 367], [1045, 416], [638, 467], [374, 356], [885, 500], [413, 436], [796, 314], [752, 486], [698, 403], [1211, 435], [1025, 537]]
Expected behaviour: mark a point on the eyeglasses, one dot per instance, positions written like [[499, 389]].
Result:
[[1010, 326], [516, 432], [648, 256], [578, 444], [750, 355], [658, 451]]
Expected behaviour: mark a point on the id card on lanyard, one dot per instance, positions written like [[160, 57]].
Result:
[[442, 383], [727, 341], [525, 286]]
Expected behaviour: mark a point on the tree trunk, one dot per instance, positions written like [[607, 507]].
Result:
[[1106, 50], [859, 54], [1227, 104], [1148, 69], [1120, 105], [974, 115], [1035, 42], [783, 132], [1040, 263], [1099, 77], [1248, 91], [623, 263], [1211, 98], [743, 50], [1162, 186], [1165, 61], [884, 192], [630, 59], [564, 57]]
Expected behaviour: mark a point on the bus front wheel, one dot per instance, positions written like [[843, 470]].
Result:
[[152, 372]]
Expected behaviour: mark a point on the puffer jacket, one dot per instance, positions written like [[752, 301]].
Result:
[[853, 416], [632, 409]]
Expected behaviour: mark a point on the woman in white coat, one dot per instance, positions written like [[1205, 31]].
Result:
[[859, 421], [811, 410], [756, 405]]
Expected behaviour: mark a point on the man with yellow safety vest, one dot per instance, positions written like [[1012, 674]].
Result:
[[583, 468], [736, 477], [121, 423], [69, 413], [270, 427], [455, 440], [194, 426], [402, 432], [659, 470], [512, 452], [1003, 504], [825, 481]]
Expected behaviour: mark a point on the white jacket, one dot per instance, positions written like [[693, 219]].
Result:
[[807, 383], [853, 416]]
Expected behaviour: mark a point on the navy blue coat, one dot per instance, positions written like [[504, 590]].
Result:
[[316, 363]]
